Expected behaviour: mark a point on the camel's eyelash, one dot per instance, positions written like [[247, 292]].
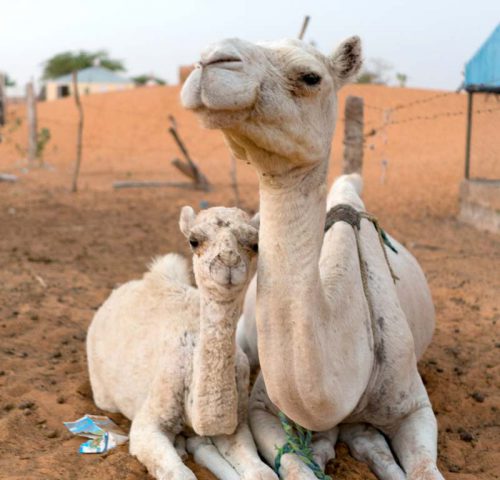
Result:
[[310, 78]]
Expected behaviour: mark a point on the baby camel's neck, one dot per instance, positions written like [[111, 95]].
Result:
[[214, 388]]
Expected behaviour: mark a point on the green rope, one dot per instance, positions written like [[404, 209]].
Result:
[[298, 441], [387, 241]]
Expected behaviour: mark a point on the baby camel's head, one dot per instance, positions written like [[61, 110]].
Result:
[[224, 242]]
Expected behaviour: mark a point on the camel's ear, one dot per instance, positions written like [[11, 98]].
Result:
[[186, 220], [346, 60], [255, 221]]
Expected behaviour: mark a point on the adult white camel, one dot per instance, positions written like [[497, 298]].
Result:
[[163, 353], [327, 354]]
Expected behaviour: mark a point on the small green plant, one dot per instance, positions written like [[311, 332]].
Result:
[[42, 140]]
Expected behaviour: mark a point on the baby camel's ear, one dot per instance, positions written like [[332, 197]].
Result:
[[346, 60], [186, 220], [255, 221]]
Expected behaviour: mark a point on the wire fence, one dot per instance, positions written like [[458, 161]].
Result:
[[140, 130]]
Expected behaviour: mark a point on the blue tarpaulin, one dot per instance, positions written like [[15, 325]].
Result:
[[482, 71]]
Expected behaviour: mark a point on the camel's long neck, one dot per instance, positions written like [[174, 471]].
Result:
[[300, 333], [292, 217], [214, 389]]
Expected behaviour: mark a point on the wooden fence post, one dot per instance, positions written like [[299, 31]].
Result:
[[353, 135], [32, 123], [234, 181], [468, 137], [79, 133], [3, 100]]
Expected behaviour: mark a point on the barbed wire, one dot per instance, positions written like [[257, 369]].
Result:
[[162, 119], [412, 103], [374, 131]]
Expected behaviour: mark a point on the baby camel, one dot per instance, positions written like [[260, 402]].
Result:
[[163, 353]]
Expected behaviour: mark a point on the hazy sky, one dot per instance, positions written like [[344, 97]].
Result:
[[429, 40]]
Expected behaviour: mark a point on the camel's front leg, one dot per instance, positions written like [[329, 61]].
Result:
[[155, 448], [368, 445], [240, 451], [269, 435], [414, 441], [323, 446]]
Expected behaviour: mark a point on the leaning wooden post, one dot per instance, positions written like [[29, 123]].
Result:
[[32, 123], [3, 100], [79, 133], [304, 27], [353, 135]]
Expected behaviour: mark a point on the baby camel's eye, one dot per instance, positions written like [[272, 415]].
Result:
[[193, 242], [255, 247], [310, 78]]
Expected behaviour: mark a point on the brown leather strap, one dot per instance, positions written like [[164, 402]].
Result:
[[343, 213]]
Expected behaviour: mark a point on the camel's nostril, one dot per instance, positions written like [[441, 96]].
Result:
[[230, 259]]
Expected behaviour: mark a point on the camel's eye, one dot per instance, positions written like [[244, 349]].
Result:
[[310, 78], [255, 247], [194, 243]]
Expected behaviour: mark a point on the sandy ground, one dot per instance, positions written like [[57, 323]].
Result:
[[62, 253]]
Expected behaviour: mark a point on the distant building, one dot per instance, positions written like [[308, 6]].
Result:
[[90, 80]]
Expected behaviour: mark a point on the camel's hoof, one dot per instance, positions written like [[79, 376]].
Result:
[[262, 472], [181, 473], [425, 471], [292, 468]]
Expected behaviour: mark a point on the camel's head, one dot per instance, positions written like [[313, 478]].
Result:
[[275, 102], [224, 242]]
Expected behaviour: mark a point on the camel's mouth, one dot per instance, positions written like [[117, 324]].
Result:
[[228, 278], [224, 60]]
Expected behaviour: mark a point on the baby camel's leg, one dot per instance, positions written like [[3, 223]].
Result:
[[206, 454], [368, 445], [415, 444], [155, 449], [269, 435], [240, 451]]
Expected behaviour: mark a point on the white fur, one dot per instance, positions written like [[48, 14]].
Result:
[[173, 267], [324, 360], [163, 353]]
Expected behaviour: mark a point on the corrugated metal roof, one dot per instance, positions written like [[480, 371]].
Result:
[[93, 75], [482, 71]]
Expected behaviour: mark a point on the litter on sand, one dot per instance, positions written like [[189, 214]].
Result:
[[103, 433]]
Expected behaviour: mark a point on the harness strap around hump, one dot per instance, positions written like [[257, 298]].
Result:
[[345, 213]]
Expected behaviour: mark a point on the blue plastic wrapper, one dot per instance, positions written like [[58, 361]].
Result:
[[103, 433]]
